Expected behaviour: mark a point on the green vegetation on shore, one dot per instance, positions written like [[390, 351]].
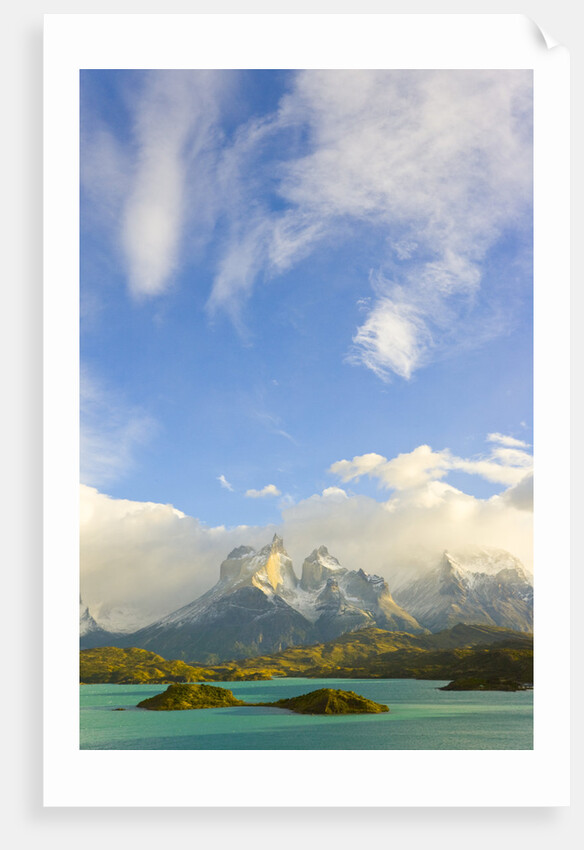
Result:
[[474, 683], [487, 653], [133, 667]]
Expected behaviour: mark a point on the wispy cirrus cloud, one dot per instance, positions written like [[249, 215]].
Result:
[[112, 432], [157, 191], [176, 129], [439, 160], [394, 337], [437, 164], [506, 440]]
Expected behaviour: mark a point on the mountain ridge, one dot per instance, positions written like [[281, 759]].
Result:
[[259, 606], [452, 593], [487, 652]]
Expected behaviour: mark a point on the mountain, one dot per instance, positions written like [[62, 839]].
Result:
[[481, 586], [338, 600], [243, 614], [91, 632], [259, 606], [86, 622]]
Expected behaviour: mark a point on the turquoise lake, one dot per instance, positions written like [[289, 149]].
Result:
[[421, 717]]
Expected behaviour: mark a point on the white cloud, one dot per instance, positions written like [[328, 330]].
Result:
[[520, 496], [491, 470], [438, 163], [225, 483], [505, 440], [393, 338], [158, 193], [410, 532], [105, 172], [513, 457], [440, 160], [238, 268], [175, 124], [112, 431], [334, 493], [416, 469], [403, 472], [367, 464], [268, 490], [151, 558]]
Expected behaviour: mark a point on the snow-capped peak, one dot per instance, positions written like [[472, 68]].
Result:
[[318, 567], [475, 559], [270, 569]]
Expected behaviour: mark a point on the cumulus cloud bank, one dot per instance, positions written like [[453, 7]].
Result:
[[416, 468], [153, 559], [146, 557]]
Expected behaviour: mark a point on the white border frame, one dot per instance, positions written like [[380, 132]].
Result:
[[73, 777]]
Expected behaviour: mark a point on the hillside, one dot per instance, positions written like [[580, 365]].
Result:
[[463, 651], [373, 653], [132, 667]]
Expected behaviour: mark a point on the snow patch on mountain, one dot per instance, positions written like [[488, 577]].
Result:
[[491, 587]]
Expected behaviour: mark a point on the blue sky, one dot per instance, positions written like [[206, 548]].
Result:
[[297, 283]]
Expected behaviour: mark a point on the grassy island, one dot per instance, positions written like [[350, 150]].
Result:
[[187, 697], [330, 701], [474, 683], [322, 701]]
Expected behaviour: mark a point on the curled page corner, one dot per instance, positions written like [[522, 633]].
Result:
[[542, 35]]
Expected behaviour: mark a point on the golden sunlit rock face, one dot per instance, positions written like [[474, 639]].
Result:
[[273, 570]]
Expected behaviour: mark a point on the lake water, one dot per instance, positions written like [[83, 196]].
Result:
[[420, 717]]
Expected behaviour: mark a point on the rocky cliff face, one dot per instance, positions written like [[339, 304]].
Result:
[[259, 606]]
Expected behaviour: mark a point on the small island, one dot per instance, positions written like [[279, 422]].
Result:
[[330, 701], [477, 684], [187, 697], [323, 701]]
